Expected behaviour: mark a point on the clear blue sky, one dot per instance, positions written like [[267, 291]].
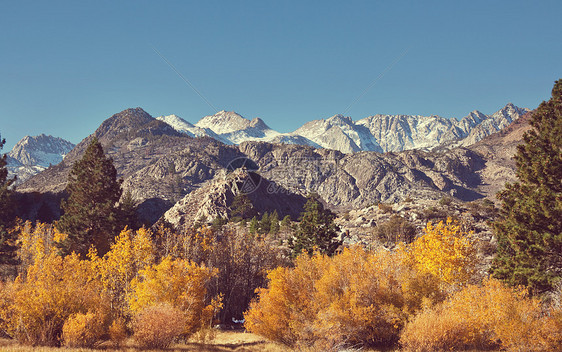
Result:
[[65, 66]]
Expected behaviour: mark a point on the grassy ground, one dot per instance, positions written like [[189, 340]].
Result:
[[225, 341]]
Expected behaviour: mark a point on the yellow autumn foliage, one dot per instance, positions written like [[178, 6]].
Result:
[[36, 241], [484, 317], [446, 252], [353, 298], [131, 252], [180, 283], [83, 329], [36, 305]]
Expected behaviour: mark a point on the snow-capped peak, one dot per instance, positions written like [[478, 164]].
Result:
[[224, 122], [33, 154]]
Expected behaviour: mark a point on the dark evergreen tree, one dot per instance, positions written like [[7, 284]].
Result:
[[286, 224], [316, 230], [242, 208], [218, 223], [128, 211], [274, 220], [7, 245], [91, 214], [529, 229], [254, 225], [265, 224]]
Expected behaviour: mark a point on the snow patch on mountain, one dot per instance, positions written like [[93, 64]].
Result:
[[189, 129]]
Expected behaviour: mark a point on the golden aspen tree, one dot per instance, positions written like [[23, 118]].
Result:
[[131, 252], [445, 252], [180, 283]]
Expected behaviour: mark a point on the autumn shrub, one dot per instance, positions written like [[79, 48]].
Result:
[[385, 208], [446, 252], [157, 326], [484, 317], [38, 304], [83, 330], [181, 284], [117, 332], [242, 261], [353, 298], [433, 213]]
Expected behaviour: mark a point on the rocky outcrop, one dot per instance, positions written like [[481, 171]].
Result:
[[214, 198]]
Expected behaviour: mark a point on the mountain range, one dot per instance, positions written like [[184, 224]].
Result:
[[162, 165], [379, 133]]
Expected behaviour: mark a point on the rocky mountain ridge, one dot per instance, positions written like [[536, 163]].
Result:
[[380, 133]]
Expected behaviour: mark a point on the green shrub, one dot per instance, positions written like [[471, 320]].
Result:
[[396, 229]]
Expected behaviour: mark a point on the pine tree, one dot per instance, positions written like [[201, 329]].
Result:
[[242, 208], [274, 220], [7, 246], [128, 211], [529, 229], [286, 223], [254, 225], [91, 215], [316, 230], [265, 224]]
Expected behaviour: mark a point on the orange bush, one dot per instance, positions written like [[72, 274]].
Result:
[[38, 304], [353, 298], [157, 326], [491, 316], [83, 330], [180, 283]]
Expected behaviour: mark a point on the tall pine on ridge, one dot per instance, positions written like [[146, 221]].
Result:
[[91, 215], [529, 229]]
